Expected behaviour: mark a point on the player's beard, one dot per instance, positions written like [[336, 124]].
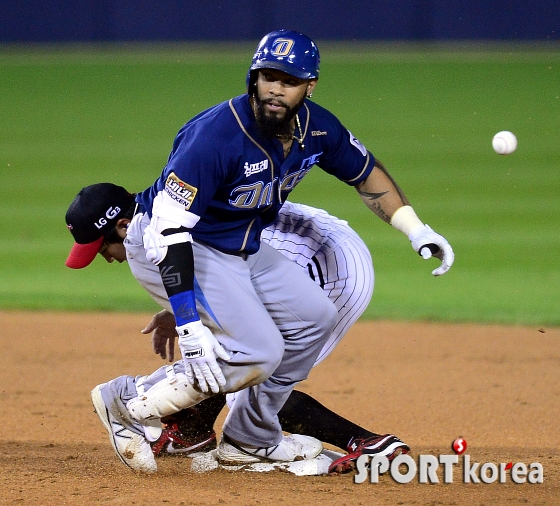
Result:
[[273, 125]]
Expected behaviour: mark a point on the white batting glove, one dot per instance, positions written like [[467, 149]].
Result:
[[199, 348], [427, 243]]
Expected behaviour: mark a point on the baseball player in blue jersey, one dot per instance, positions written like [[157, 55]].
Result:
[[248, 319]]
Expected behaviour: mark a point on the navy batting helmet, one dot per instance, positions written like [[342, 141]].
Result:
[[286, 50]]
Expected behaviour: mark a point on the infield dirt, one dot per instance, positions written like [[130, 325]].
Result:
[[498, 387]]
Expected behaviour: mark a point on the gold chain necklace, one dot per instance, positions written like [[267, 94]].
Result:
[[299, 139]]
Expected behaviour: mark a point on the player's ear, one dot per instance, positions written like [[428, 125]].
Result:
[[121, 227], [310, 87]]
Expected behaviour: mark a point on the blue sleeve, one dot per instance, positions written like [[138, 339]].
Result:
[[196, 162], [344, 156]]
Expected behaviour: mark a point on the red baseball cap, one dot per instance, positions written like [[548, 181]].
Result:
[[91, 215]]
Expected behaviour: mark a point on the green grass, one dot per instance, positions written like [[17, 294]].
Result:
[[76, 116]]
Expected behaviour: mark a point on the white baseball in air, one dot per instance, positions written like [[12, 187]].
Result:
[[504, 143]]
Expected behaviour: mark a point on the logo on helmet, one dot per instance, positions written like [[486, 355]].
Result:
[[282, 47]]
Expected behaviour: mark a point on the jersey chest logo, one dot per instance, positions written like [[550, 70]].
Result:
[[262, 193]]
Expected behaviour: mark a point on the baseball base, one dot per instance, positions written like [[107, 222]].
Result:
[[204, 462]]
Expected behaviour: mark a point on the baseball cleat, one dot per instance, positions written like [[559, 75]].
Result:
[[292, 448], [388, 445], [173, 442], [133, 450]]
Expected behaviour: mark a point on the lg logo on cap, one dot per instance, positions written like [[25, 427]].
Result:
[[109, 214]]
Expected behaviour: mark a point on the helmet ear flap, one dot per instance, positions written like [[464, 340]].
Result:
[[251, 81]]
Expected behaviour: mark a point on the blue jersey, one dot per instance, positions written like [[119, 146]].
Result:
[[234, 181]]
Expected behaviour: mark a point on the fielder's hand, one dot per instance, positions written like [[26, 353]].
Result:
[[427, 244], [199, 348], [162, 326]]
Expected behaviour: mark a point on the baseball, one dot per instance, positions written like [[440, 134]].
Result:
[[504, 143]]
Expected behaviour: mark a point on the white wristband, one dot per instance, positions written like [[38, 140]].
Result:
[[405, 220]]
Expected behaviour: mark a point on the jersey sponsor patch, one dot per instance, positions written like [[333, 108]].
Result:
[[357, 144], [180, 191]]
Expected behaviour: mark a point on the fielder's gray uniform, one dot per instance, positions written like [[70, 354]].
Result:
[[280, 319], [326, 247]]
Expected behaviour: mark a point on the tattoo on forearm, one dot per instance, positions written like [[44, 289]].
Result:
[[381, 167], [372, 196], [371, 200], [376, 208], [375, 201]]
